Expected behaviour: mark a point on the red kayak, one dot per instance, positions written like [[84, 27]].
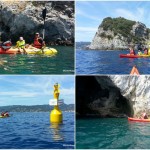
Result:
[[133, 56], [10, 51], [138, 120]]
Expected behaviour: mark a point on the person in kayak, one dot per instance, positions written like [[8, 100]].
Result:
[[146, 51], [139, 46], [144, 116], [6, 45], [139, 52], [38, 41], [21, 45], [2, 114], [6, 114], [132, 51]]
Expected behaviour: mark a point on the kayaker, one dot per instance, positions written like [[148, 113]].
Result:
[[38, 41], [132, 51], [146, 51], [21, 45], [139, 52], [6, 114], [144, 116], [6, 45], [139, 46], [2, 114]]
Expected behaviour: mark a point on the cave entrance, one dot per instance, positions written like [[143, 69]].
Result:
[[98, 96]]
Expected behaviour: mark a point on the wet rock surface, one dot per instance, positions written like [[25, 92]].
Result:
[[25, 19]]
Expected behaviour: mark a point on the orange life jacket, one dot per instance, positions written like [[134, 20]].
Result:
[[37, 44], [132, 52]]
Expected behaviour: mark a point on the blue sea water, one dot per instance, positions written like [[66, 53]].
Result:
[[112, 134], [34, 131], [108, 62], [61, 63]]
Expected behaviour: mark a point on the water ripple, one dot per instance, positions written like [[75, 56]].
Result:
[[112, 134], [108, 62], [33, 130], [38, 64]]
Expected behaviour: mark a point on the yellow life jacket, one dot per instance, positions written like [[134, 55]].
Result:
[[21, 44]]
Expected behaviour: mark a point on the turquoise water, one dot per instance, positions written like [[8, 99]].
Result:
[[61, 63], [112, 134], [34, 131]]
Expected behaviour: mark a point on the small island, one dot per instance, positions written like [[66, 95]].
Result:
[[119, 33]]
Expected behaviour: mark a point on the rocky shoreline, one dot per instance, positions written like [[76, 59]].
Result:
[[25, 19]]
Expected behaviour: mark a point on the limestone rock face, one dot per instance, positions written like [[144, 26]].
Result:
[[139, 29], [25, 19], [112, 96], [136, 90], [105, 43], [117, 37]]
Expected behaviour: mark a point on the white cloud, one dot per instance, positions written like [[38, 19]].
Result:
[[70, 91], [19, 94], [84, 14], [85, 33], [26, 87], [137, 15], [86, 29]]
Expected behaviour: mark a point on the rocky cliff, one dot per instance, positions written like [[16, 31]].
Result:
[[113, 96], [119, 33], [25, 19]]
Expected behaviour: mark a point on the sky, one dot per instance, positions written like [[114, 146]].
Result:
[[89, 15], [34, 90]]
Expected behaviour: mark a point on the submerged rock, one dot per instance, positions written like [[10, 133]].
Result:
[[25, 19]]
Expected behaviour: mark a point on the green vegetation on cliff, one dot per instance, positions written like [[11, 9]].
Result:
[[118, 25], [121, 26]]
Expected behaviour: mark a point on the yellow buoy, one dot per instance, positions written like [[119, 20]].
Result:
[[56, 114]]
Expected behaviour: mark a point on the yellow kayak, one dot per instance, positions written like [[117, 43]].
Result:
[[32, 51], [46, 51], [4, 116]]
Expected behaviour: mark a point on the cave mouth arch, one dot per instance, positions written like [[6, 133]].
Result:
[[98, 96]]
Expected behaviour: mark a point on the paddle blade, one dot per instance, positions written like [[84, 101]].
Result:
[[44, 13]]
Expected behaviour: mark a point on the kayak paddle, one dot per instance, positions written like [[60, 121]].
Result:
[[44, 17]]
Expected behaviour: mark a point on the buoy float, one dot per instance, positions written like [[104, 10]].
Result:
[[134, 71], [56, 114]]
